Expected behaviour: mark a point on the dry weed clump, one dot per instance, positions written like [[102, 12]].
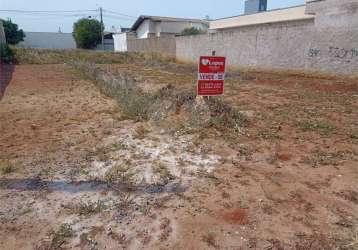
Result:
[[87, 209], [61, 235], [6, 168], [134, 103], [139, 105], [223, 116], [163, 172], [121, 173]]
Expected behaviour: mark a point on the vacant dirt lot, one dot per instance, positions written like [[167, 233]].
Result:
[[75, 174]]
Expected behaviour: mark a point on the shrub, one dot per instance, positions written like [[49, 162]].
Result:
[[192, 31], [6, 54], [87, 33]]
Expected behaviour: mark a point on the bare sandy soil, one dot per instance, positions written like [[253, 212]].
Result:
[[287, 181]]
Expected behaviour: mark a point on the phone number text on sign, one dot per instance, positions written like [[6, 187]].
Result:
[[211, 76]]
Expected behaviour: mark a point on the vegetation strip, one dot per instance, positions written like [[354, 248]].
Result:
[[140, 106]]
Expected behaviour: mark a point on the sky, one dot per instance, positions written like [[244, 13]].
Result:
[[130, 9]]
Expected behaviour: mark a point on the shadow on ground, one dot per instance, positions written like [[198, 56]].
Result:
[[36, 184], [6, 71]]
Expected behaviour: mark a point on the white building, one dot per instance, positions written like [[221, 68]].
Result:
[[156, 27], [149, 26]]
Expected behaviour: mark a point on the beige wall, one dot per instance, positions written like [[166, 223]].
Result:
[[313, 44], [165, 44]]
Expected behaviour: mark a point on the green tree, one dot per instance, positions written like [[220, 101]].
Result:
[[12, 32], [191, 31], [87, 33]]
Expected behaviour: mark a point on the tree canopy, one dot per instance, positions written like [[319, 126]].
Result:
[[191, 31], [87, 33], [12, 33]]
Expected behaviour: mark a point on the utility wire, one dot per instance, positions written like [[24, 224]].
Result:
[[117, 17], [48, 11], [113, 14], [59, 15], [53, 17], [118, 13]]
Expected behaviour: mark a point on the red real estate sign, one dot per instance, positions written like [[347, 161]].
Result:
[[211, 76]]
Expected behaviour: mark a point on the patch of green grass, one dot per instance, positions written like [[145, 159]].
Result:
[[320, 127], [309, 96], [61, 236], [353, 135], [6, 168], [321, 158], [144, 208], [48, 56], [269, 134], [119, 146]]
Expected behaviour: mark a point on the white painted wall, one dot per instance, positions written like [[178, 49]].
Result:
[[157, 27], [120, 42], [143, 29]]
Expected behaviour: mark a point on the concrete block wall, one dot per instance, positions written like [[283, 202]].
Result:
[[48, 40], [328, 43], [163, 44]]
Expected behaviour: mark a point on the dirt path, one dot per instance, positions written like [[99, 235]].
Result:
[[51, 122], [281, 185]]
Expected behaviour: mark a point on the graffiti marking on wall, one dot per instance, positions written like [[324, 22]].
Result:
[[313, 52], [343, 53], [336, 53]]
